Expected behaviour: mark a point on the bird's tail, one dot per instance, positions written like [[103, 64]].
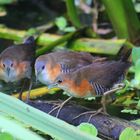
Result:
[[29, 40], [124, 54]]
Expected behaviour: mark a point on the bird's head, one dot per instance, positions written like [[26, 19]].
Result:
[[62, 81], [8, 68]]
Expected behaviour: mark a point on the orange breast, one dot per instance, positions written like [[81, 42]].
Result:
[[20, 71], [82, 90], [54, 71]]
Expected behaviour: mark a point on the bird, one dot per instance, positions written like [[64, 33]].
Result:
[[16, 61], [51, 65], [97, 79]]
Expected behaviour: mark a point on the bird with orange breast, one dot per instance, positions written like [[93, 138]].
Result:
[[96, 79], [51, 65], [16, 61]]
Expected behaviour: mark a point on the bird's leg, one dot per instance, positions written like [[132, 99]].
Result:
[[21, 91], [107, 93], [93, 113], [114, 89], [59, 107], [29, 90], [103, 102]]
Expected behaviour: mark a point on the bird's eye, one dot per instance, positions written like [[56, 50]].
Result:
[[12, 65], [43, 67], [4, 65], [59, 81]]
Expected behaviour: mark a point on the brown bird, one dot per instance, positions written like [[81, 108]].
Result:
[[16, 61], [50, 66], [96, 79]]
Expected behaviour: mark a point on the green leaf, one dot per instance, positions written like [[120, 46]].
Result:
[[61, 23], [138, 105], [127, 134], [136, 121], [136, 135], [88, 128], [130, 134], [131, 111], [69, 29], [6, 136], [135, 54], [39, 120], [7, 124], [98, 46], [137, 70], [136, 81]]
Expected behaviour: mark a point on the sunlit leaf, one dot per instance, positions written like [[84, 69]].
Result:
[[136, 81], [88, 128], [136, 135], [136, 121], [40, 120], [127, 134], [69, 29], [20, 132], [6, 136], [131, 111], [137, 70], [135, 54], [61, 23]]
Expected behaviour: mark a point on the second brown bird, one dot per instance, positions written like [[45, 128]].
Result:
[[92, 80]]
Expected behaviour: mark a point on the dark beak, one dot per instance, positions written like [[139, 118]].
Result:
[[53, 85], [8, 71]]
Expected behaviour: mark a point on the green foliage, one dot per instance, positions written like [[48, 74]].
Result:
[[136, 61], [6, 136], [138, 104], [72, 13], [39, 120], [61, 23], [7, 125], [130, 134], [88, 128], [136, 121], [98, 46], [131, 111], [128, 25], [3, 11], [135, 54], [2, 2]]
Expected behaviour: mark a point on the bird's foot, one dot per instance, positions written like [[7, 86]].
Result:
[[59, 107], [93, 113]]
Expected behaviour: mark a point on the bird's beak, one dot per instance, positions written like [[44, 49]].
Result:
[[8, 71], [37, 73], [53, 85]]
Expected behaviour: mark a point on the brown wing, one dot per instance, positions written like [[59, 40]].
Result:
[[104, 74], [22, 52], [70, 61]]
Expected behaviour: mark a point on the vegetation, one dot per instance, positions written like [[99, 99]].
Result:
[[105, 28]]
